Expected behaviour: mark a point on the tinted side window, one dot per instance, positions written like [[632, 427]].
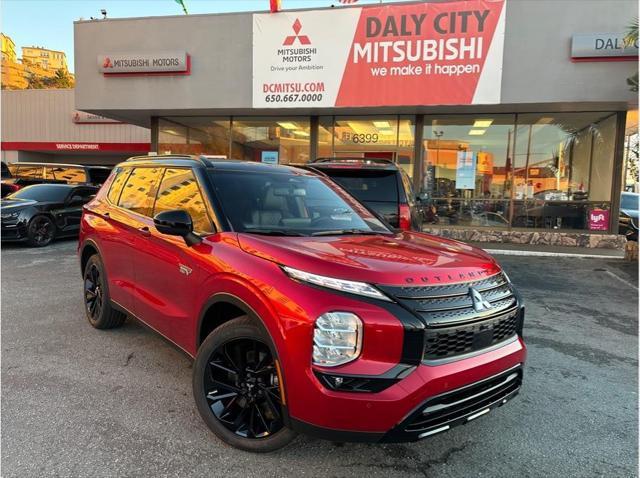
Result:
[[408, 189], [179, 190], [140, 189], [30, 172], [116, 185], [98, 175], [68, 175]]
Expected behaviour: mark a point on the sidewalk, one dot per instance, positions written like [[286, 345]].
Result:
[[548, 251]]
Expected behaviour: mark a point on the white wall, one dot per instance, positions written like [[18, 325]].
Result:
[[46, 116]]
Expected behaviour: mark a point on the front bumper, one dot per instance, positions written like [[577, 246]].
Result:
[[452, 394], [437, 414], [13, 232]]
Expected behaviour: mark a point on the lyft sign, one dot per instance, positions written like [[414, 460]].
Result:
[[598, 220]]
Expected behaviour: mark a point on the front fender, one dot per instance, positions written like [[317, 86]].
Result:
[[248, 297]]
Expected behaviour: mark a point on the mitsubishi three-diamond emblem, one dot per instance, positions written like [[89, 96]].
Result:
[[291, 39], [479, 302]]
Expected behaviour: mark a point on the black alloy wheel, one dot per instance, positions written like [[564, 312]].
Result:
[[237, 387], [41, 231], [97, 303], [242, 389], [93, 292]]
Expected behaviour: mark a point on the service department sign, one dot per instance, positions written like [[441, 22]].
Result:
[[165, 62], [600, 46], [81, 117]]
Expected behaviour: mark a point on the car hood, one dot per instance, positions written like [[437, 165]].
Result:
[[10, 204], [399, 259]]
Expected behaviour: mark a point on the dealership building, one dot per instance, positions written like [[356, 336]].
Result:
[[507, 115], [44, 126]]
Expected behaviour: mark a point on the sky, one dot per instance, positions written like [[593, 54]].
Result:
[[49, 23]]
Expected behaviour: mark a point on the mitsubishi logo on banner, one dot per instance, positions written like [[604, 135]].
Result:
[[303, 39]]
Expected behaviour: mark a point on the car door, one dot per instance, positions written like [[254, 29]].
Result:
[[68, 216], [128, 196], [165, 270]]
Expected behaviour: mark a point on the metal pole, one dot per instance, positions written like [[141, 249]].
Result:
[[526, 166]]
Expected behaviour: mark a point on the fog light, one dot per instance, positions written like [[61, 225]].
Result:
[[337, 338]]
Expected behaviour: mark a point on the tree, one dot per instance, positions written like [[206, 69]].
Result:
[[35, 82], [631, 38], [61, 80]]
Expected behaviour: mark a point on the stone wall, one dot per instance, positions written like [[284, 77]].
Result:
[[545, 238]]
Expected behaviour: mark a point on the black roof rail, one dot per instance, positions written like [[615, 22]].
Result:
[[166, 156], [353, 159]]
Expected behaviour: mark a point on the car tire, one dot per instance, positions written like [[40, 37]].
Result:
[[240, 414], [100, 313], [41, 231]]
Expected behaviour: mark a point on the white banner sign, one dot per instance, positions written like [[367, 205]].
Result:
[[429, 53]]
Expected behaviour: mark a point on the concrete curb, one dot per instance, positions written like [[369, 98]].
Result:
[[513, 252]]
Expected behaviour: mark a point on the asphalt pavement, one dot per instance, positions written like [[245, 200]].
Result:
[[82, 402]]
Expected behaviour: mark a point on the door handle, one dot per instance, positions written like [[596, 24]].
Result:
[[144, 230], [107, 215]]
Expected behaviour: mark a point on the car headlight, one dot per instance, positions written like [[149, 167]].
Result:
[[351, 287], [337, 338], [9, 215]]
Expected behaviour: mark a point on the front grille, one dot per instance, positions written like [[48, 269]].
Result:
[[464, 404], [452, 341], [454, 325]]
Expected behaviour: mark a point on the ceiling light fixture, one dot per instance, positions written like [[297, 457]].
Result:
[[477, 132], [288, 125], [381, 124], [482, 123]]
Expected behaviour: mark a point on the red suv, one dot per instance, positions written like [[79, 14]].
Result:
[[303, 311]]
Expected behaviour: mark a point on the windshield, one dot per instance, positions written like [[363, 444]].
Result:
[[42, 192], [285, 203], [629, 201]]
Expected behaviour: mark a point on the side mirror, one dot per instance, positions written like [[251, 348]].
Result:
[[76, 201], [177, 223]]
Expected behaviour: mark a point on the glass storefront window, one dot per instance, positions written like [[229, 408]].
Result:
[[542, 170], [366, 134], [386, 137], [273, 140], [406, 144], [563, 169], [325, 137], [465, 167], [193, 135]]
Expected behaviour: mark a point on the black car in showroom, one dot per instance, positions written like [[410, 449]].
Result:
[[40, 213]]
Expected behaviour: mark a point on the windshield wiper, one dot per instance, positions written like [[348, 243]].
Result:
[[345, 232], [273, 232]]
